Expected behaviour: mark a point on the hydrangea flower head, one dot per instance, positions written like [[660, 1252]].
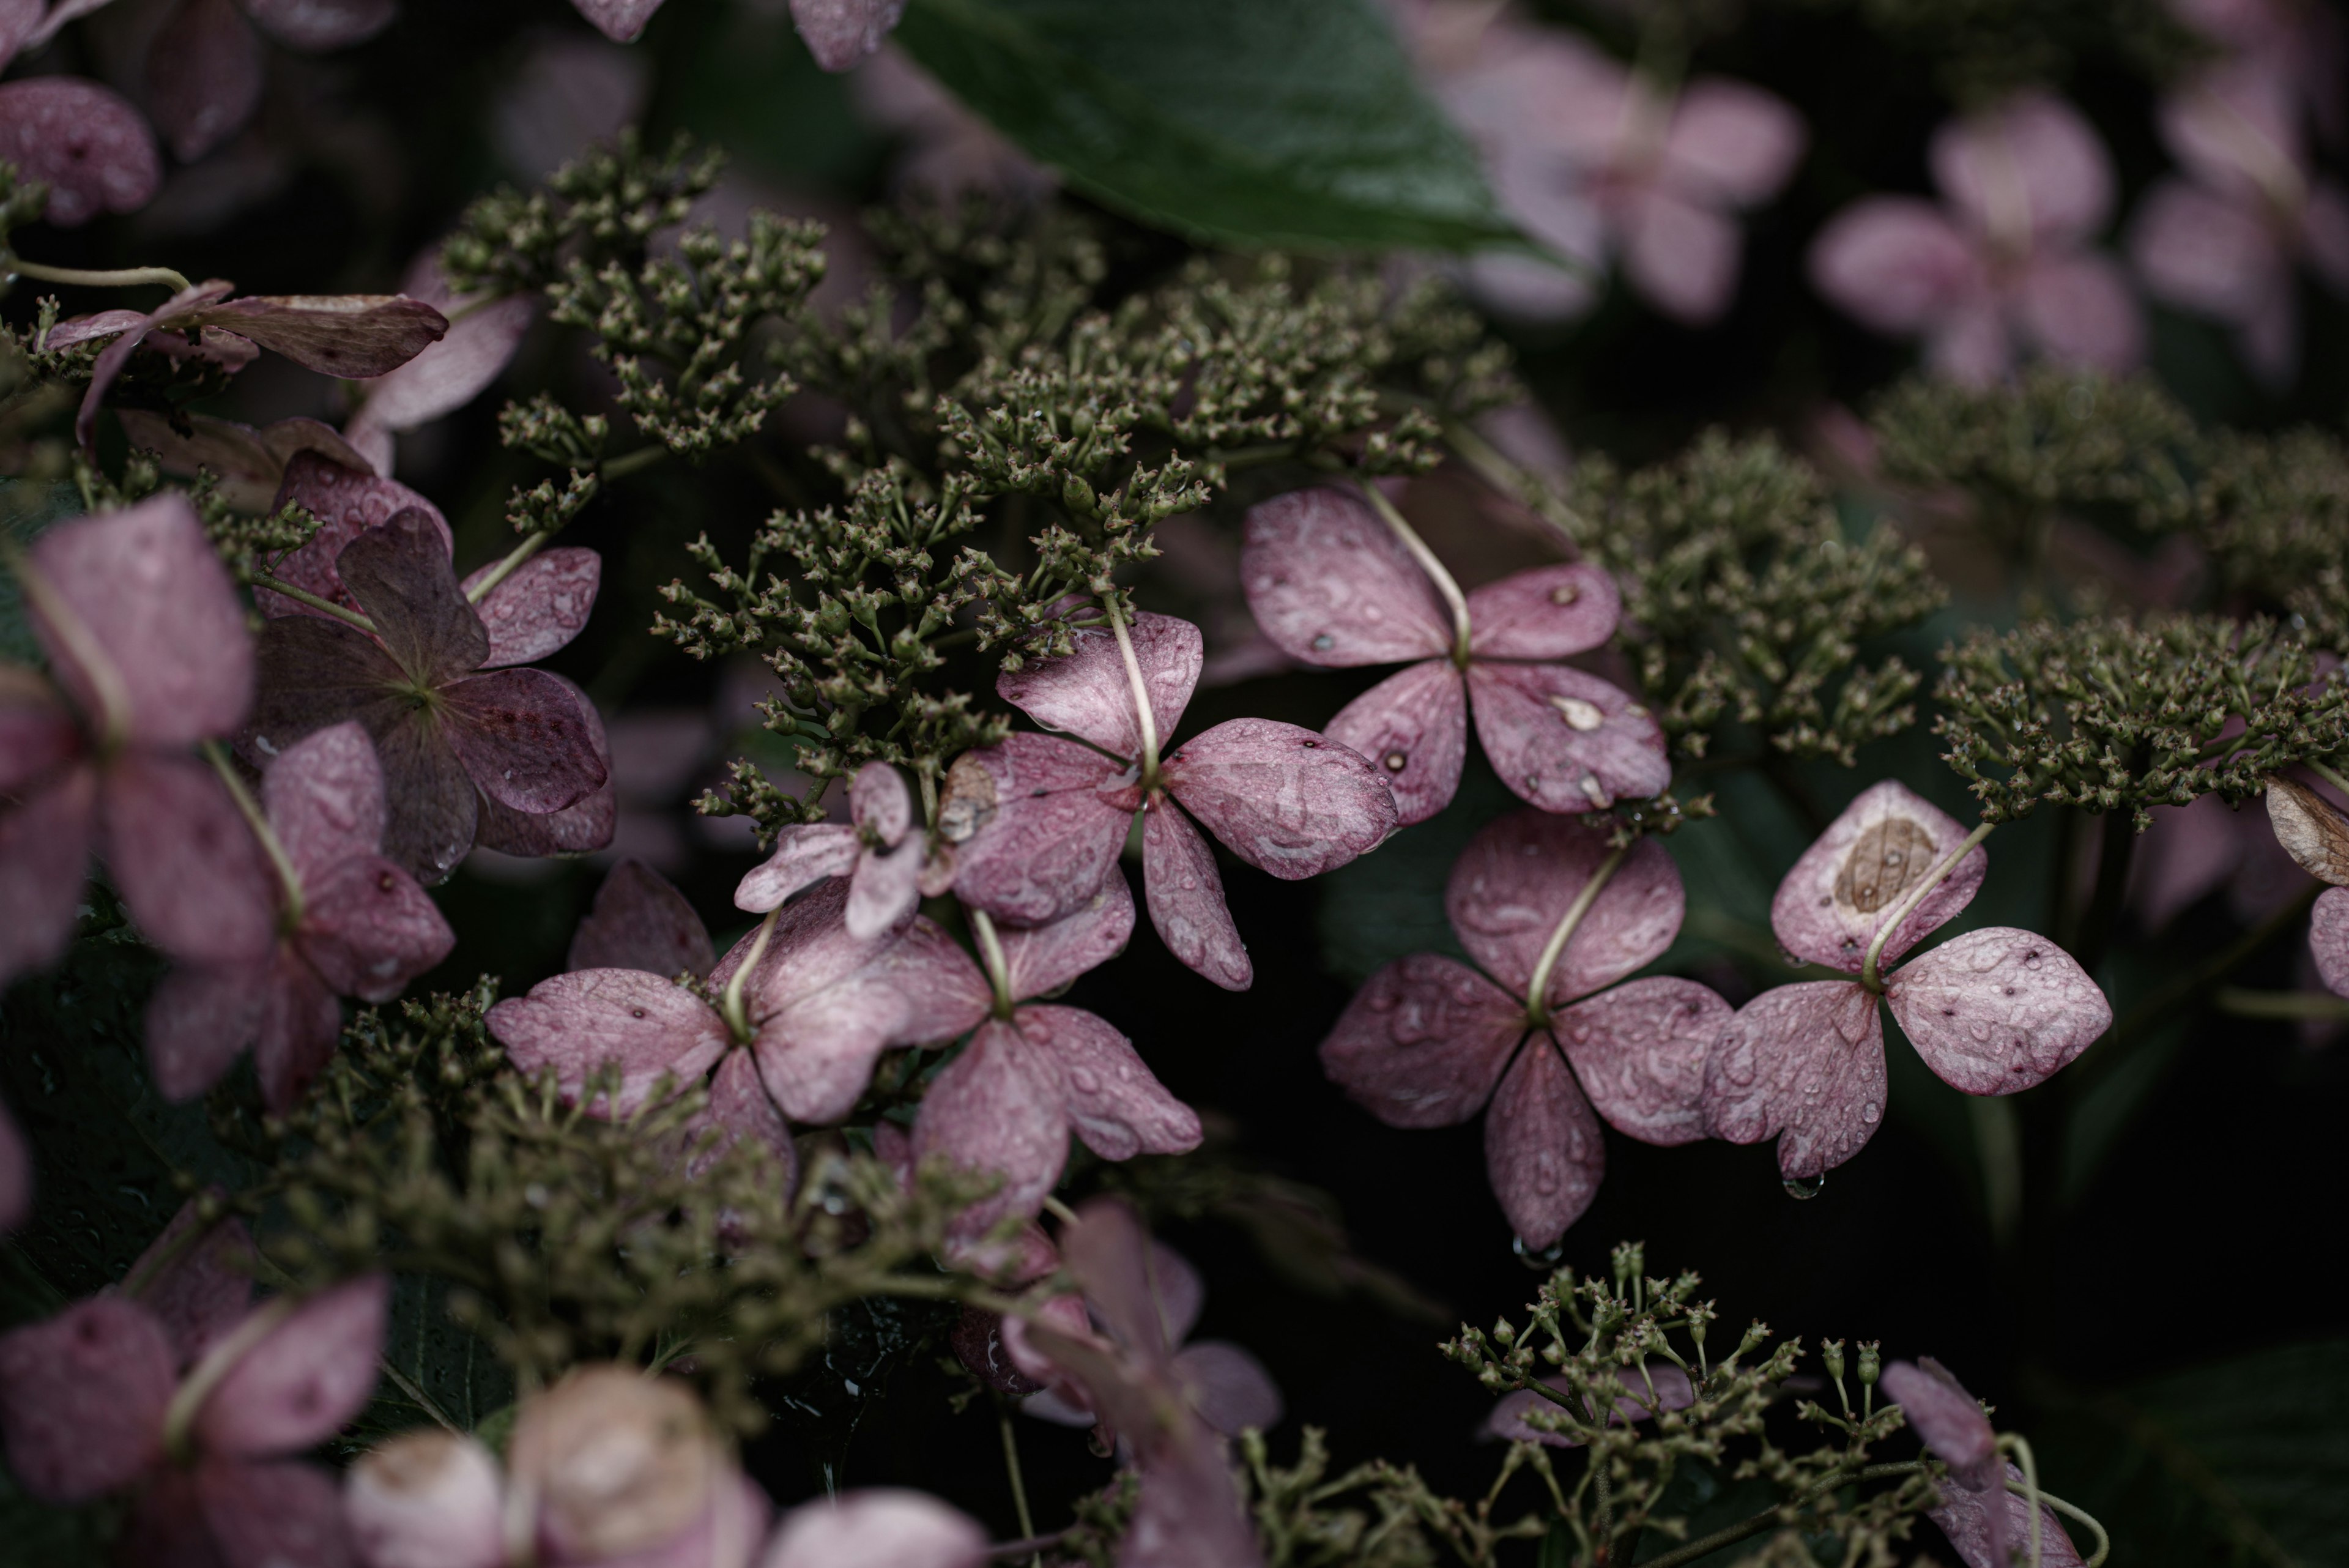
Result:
[[878, 849]]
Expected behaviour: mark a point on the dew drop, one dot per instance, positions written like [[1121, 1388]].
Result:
[[1190, 884], [1396, 761], [1804, 1188], [1541, 1260], [1324, 643], [1870, 1110], [1580, 715], [1565, 594], [1083, 1081]]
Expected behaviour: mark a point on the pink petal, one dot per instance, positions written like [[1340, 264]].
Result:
[[299, 1027], [577, 1024], [816, 1052], [205, 1288], [188, 865], [618, 20], [82, 1397], [1548, 612], [1089, 693], [1946, 1419], [1999, 1009], [2189, 852], [264, 1514], [1112, 1257], [1516, 880], [315, 26], [83, 142], [740, 1109], [640, 920], [1329, 584], [2234, 128], [141, 623], [878, 803], [1228, 1387], [1423, 1041], [879, 1527], [1176, 1287], [1886, 840], [306, 1379], [809, 948], [1114, 1103], [483, 339], [1036, 822], [540, 607], [1806, 1060], [1894, 264], [399, 575], [2328, 938], [1670, 1387], [369, 929], [1186, 895], [998, 1109], [2206, 252], [803, 855], [15, 1175], [1040, 959], [37, 733], [1731, 143], [884, 889], [583, 827], [1542, 1149], [347, 502], [19, 21], [324, 797], [44, 851], [1640, 1052], [523, 738], [426, 1498], [2032, 169], [199, 1019], [1682, 257], [839, 33], [1965, 1517], [348, 336], [203, 77], [2081, 310], [1413, 728], [1283, 799], [1563, 739]]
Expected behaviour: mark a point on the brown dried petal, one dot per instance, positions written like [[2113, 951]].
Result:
[[1542, 1149], [1563, 739], [1186, 895], [1413, 726], [1640, 1052], [1036, 822], [1283, 799], [1549, 612], [399, 575], [2313, 830], [203, 76], [640, 920], [1330, 584], [1997, 1011], [521, 737], [348, 336], [306, 1379], [82, 1397], [176, 311], [188, 865], [1423, 1041], [575, 1024], [1886, 840], [1803, 1061], [1088, 693], [91, 148], [540, 607], [1514, 882]]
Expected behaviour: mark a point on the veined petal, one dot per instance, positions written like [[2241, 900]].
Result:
[[523, 738], [1088, 693], [1423, 1041], [805, 854], [1413, 729], [577, 1023], [1035, 825], [1565, 741], [82, 1397], [1543, 1148], [400, 575], [434, 809], [306, 1379], [346, 501], [1965, 1517], [1114, 1103], [1803, 1061], [188, 865], [540, 607], [350, 336], [640, 920], [1996, 1011], [2313, 830], [998, 1109], [1039, 959], [1283, 799], [739, 1108], [1888, 840], [1639, 1051], [1548, 612], [370, 929], [324, 797], [1514, 882], [816, 1051], [315, 672], [1186, 895], [1329, 584]]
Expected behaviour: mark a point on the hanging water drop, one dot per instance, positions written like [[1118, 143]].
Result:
[[1541, 1260], [1805, 1187]]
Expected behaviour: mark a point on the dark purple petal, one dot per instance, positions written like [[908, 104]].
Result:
[[267, 1513], [522, 738], [141, 623], [435, 808], [575, 1024], [299, 1028], [347, 501], [583, 827], [618, 20], [324, 797], [370, 929], [1640, 1052], [540, 607], [205, 1289], [2328, 935], [1514, 882], [15, 1175], [1114, 1103], [203, 77], [1228, 1387], [426, 1498], [1423, 1041], [1563, 739], [1946, 1419], [176, 312], [1803, 1061], [1886, 842], [1088, 692], [37, 733], [879, 1527], [305, 1379], [1413, 726], [884, 889], [839, 33], [399, 573], [1542, 1149], [1186, 895], [91, 149], [1330, 584], [44, 851], [319, 24], [199, 1019], [315, 672], [348, 336], [20, 20], [1283, 799], [1042, 959], [640, 920], [1965, 1517], [1549, 612], [1637, 1403], [481, 341], [998, 1109], [1999, 1009], [1035, 824], [803, 855], [188, 865], [879, 805], [82, 1397], [2313, 830]]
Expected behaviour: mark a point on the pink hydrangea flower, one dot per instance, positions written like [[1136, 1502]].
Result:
[[82, 141], [1036, 824], [2223, 240], [1532, 1034], [1992, 1011], [1645, 1394], [879, 1527], [878, 849], [2005, 266], [350, 923], [186, 1392], [145, 635], [1332, 586]]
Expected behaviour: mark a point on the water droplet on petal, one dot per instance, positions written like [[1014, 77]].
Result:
[[1324, 643], [1565, 594], [1578, 714], [1541, 1260], [1870, 1110], [1805, 1187], [1396, 761]]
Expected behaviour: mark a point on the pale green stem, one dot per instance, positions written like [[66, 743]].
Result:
[[2078, 1516], [628, 463], [1907, 906], [2031, 1500], [1146, 717], [506, 568], [738, 1020], [2330, 775], [1019, 1487], [998, 972], [305, 596], [180, 1415], [1505, 475], [289, 881], [2315, 1004], [1538, 988], [1399, 527], [122, 277], [1060, 1210], [2000, 1146]]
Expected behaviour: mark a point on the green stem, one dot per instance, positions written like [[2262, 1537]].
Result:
[[2020, 1447], [1507, 476], [998, 972], [289, 880], [1538, 988], [1907, 906], [506, 568], [2328, 775], [1754, 1524], [1018, 1488], [2116, 845], [305, 596], [180, 1415], [2317, 1005], [1399, 527], [1146, 717], [2078, 1515], [738, 1018], [630, 462], [121, 278]]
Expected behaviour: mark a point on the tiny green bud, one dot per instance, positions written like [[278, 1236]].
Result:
[[1831, 1353], [1872, 1362], [1503, 1334], [1078, 496]]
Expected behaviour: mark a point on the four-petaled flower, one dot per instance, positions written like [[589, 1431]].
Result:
[[877, 849], [1554, 919]]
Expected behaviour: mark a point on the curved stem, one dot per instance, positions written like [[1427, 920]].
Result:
[[737, 1019], [2316, 1004], [1401, 529], [1511, 479], [1754, 1524], [1146, 717], [2078, 1516], [305, 596], [120, 277], [1907, 906], [1538, 988], [289, 881], [2021, 1446], [999, 971], [180, 1415], [630, 462]]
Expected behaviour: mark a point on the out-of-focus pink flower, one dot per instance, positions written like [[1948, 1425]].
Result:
[[949, 151], [350, 923], [879, 1527], [879, 850], [839, 33], [1984, 1527], [91, 1403], [1538, 1034], [2301, 43], [570, 92], [1036, 824], [145, 633], [1594, 160], [1992, 1011], [91, 148], [1331, 586], [482, 336], [2005, 265], [1647, 1391], [2223, 240]]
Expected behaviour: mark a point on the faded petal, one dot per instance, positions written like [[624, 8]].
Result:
[[1730, 144], [1035, 824], [37, 732], [1803, 1061], [1413, 728], [305, 1380], [839, 33], [1543, 1148], [1548, 612], [1893, 263], [1886, 841], [618, 20], [2313, 830], [879, 803], [426, 1498], [347, 502], [369, 929], [2206, 252], [1227, 1386], [540, 607], [44, 854], [1088, 692], [1999, 1009], [400, 575], [1040, 959], [1639, 1051], [199, 1019], [1946, 1419], [188, 865], [878, 1527], [1114, 1103], [1682, 257], [1186, 895], [998, 1109], [1514, 883], [82, 1397], [92, 149], [319, 25], [1565, 741], [803, 855], [2081, 311], [324, 797], [1670, 1387], [1965, 1517], [640, 920], [1283, 799], [349, 335], [206, 1287], [1178, 1291], [2328, 938], [203, 77], [1423, 1041], [250, 463], [2031, 168], [816, 1053], [276, 1512], [1330, 585], [884, 889], [523, 738], [577, 1024], [481, 341]]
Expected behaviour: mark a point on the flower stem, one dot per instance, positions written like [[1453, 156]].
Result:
[[1145, 718], [738, 1020], [530, 546], [2020, 1447], [1907, 906], [1511, 479], [2315, 1004], [305, 596], [121, 278], [630, 462], [180, 1415], [1401, 529], [999, 970], [1538, 988], [2330, 775], [289, 880], [112, 694], [2078, 1516], [1019, 1487]]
